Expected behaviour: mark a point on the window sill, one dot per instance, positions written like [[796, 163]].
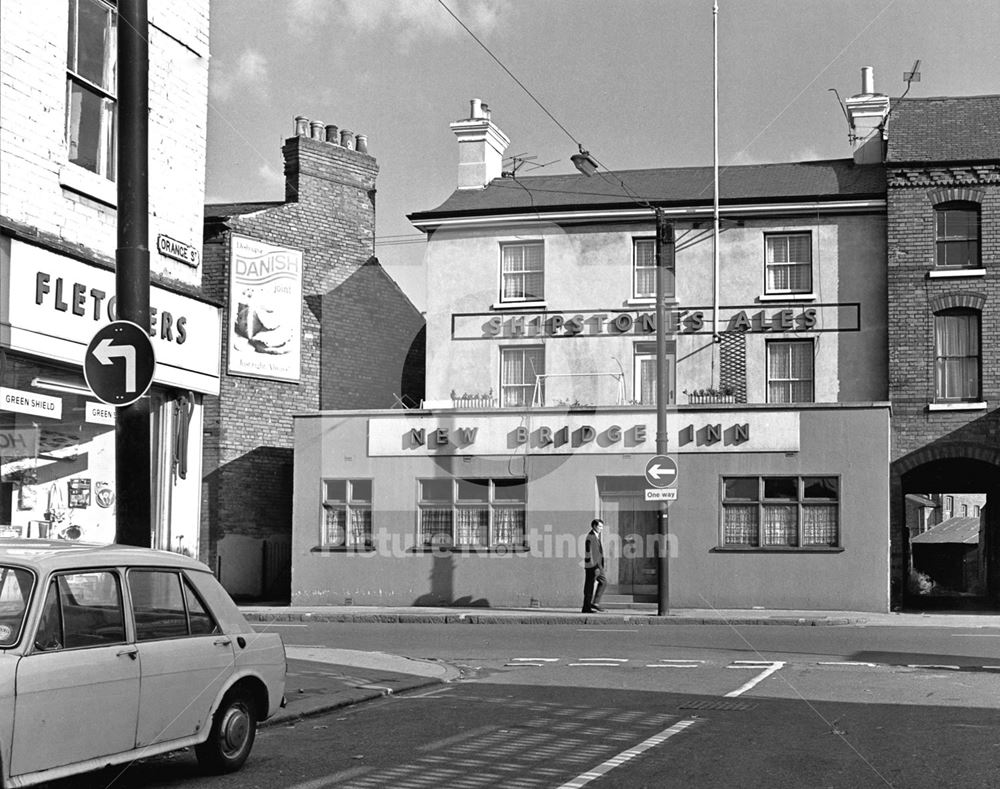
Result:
[[650, 302], [520, 305], [779, 549], [773, 297], [499, 550], [96, 187], [957, 406], [957, 273], [342, 549]]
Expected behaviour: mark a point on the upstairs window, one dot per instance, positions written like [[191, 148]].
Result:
[[956, 356], [520, 368], [788, 263], [522, 272], [91, 85], [957, 235], [790, 372], [644, 270]]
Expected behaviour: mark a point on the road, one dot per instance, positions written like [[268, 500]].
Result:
[[699, 706]]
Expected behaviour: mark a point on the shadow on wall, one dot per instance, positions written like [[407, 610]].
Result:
[[443, 585]]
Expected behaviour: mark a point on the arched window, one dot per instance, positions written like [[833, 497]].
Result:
[[957, 235], [956, 355]]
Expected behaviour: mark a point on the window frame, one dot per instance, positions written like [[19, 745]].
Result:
[[106, 94], [455, 503], [646, 352], [349, 505], [769, 265], [941, 359], [941, 242], [524, 273], [801, 502], [54, 581], [185, 587], [669, 283], [527, 388], [769, 347]]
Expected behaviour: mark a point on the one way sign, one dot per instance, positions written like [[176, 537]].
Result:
[[119, 363], [661, 471]]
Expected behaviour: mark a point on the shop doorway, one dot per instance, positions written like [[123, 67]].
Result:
[[949, 536], [630, 525]]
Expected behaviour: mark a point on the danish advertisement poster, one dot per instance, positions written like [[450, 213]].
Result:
[[265, 310]]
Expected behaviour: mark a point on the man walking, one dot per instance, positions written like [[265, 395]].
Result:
[[594, 579]]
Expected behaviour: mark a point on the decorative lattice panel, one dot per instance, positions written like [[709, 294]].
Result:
[[733, 364]]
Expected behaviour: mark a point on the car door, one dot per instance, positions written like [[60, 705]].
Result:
[[185, 659], [77, 689]]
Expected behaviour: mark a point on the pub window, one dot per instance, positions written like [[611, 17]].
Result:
[[788, 263], [347, 513], [472, 513], [520, 368], [790, 371], [956, 356], [91, 85], [957, 235], [781, 512], [644, 366], [522, 272], [644, 270]]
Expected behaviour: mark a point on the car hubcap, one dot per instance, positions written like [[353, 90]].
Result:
[[235, 729]]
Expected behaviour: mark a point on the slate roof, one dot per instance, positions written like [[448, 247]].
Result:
[[946, 129], [954, 530], [225, 210], [825, 180]]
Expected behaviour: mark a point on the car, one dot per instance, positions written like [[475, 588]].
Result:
[[112, 653]]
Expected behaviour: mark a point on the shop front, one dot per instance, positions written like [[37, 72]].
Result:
[[777, 506], [57, 441]]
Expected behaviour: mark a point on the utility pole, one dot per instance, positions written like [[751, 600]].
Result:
[[664, 250], [133, 479]]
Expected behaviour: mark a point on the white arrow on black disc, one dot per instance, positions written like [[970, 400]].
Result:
[[105, 353]]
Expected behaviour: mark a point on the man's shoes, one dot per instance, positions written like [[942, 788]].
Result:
[[597, 608], [588, 610]]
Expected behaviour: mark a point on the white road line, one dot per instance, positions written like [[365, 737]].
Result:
[[606, 659], [672, 665], [624, 756], [680, 660], [266, 625], [592, 664], [605, 630], [773, 666], [975, 635], [932, 665], [537, 659], [524, 665], [845, 663]]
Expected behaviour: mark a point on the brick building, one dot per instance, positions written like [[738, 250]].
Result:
[[943, 173], [58, 218], [311, 321]]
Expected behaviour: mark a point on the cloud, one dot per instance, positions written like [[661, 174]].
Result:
[[405, 22], [249, 70]]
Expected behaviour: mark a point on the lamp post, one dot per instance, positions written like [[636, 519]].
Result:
[[664, 251]]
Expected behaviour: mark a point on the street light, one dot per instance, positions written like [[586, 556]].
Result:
[[664, 252]]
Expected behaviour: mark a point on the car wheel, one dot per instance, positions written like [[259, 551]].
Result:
[[233, 730]]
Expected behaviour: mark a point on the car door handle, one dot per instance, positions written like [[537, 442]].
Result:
[[222, 642], [132, 652]]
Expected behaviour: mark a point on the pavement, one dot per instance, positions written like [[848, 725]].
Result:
[[323, 679]]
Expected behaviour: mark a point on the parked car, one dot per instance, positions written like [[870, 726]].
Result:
[[110, 653]]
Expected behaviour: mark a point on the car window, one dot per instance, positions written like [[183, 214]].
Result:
[[15, 590], [82, 609], [165, 606]]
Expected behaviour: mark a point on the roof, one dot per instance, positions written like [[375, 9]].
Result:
[[48, 555], [832, 179], [960, 530], [944, 129], [225, 210]]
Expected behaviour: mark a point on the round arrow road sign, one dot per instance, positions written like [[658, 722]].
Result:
[[119, 363], [661, 471]]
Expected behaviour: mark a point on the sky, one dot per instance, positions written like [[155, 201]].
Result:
[[630, 80]]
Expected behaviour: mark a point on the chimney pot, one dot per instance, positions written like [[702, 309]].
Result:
[[347, 139], [317, 129], [867, 80], [476, 110], [301, 126], [332, 134], [361, 141]]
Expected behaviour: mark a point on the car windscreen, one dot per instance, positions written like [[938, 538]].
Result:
[[15, 591]]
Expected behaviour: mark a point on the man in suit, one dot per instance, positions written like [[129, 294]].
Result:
[[594, 579]]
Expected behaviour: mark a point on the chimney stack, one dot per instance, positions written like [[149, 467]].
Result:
[[866, 111], [481, 146], [318, 151]]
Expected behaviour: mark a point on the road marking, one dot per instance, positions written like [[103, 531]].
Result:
[[772, 666], [845, 663], [330, 780], [605, 630], [537, 659], [676, 663], [447, 742], [627, 755], [975, 635], [607, 662], [265, 625], [932, 665]]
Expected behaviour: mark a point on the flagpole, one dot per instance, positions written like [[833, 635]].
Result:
[[715, 173]]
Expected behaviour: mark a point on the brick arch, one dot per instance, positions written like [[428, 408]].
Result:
[[962, 299], [949, 451], [962, 194]]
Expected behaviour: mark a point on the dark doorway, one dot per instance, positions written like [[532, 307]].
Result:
[[630, 529]]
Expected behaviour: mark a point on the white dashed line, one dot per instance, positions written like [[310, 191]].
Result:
[[846, 663]]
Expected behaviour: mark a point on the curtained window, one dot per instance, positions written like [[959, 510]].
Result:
[[644, 270], [957, 236], [347, 513], [472, 513], [956, 356], [520, 367], [780, 512], [522, 272], [790, 371], [91, 86], [788, 264]]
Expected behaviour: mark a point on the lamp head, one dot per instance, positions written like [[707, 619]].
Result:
[[584, 162]]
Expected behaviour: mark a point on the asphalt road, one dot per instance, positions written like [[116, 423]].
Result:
[[682, 706]]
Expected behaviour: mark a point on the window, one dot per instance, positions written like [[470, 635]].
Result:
[[788, 263], [82, 610], [957, 235], [472, 513], [949, 506], [15, 589], [975, 510], [165, 606], [956, 356], [90, 86], [520, 367], [644, 365], [965, 510], [347, 513], [790, 371], [644, 270], [780, 512], [522, 272]]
